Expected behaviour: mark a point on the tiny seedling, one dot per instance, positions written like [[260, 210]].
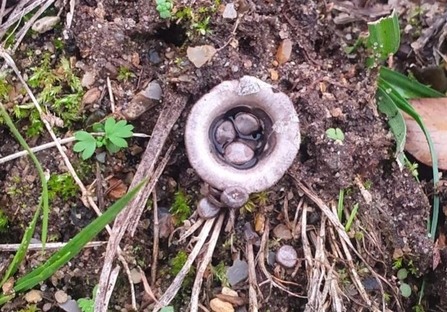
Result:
[[164, 8], [335, 134], [87, 305], [62, 185], [404, 288], [124, 74], [113, 139]]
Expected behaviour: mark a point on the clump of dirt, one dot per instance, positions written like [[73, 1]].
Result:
[[329, 90]]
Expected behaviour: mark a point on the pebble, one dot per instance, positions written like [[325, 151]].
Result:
[[44, 24], [284, 51], [154, 58], [274, 74], [287, 256], [91, 96], [281, 231], [238, 272], [206, 209], [70, 306], [229, 292], [200, 55], [61, 296], [246, 123], [218, 305], [33, 296], [143, 101], [238, 153], [234, 197], [225, 132], [135, 275], [230, 12], [88, 79]]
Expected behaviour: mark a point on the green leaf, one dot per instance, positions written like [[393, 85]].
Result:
[[112, 148], [109, 126], [396, 122], [405, 290], [167, 309], [86, 145], [120, 142], [74, 246], [84, 136], [122, 129], [402, 274], [406, 87], [384, 37], [335, 134]]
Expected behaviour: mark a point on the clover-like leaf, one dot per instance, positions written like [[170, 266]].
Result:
[[86, 144]]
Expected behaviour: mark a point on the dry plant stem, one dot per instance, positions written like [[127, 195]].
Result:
[[2, 10], [70, 168], [295, 226], [191, 230], [48, 246], [146, 286], [112, 98], [156, 239], [112, 281], [23, 31], [341, 233], [53, 144], [19, 12], [117, 233], [205, 263], [177, 283], [253, 298]]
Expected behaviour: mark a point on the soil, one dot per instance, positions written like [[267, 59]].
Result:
[[328, 89]]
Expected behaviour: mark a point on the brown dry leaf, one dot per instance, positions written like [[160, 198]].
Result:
[[434, 115], [117, 188]]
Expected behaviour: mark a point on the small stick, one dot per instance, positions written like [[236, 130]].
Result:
[[253, 298], [156, 239], [48, 246], [112, 99], [147, 287], [204, 263], [177, 282]]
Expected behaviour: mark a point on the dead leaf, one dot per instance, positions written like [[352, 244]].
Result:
[[117, 188], [91, 96], [433, 112], [200, 55]]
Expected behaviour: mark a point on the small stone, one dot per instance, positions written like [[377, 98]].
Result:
[[230, 12], [274, 74], [229, 292], [234, 197], [33, 296], [153, 91], [238, 153], [284, 51], [135, 275], [154, 58], [246, 123], [119, 36], [91, 96], [70, 306], [218, 305], [88, 79], [287, 256], [281, 231], [225, 132], [44, 24], [47, 307], [61, 296], [200, 55], [206, 209], [238, 272]]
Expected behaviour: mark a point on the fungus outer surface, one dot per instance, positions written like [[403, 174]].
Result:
[[280, 134]]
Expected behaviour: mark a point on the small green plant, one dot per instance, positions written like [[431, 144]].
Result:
[[404, 288], [180, 209], [164, 8], [167, 309], [87, 305], [62, 185], [114, 137], [177, 264], [335, 134], [220, 273], [124, 74], [202, 27], [3, 221]]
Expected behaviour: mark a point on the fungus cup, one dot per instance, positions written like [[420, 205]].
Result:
[[267, 135]]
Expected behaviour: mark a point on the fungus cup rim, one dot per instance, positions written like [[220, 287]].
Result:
[[252, 92]]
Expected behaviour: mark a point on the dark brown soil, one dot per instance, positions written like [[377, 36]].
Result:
[[329, 90]]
